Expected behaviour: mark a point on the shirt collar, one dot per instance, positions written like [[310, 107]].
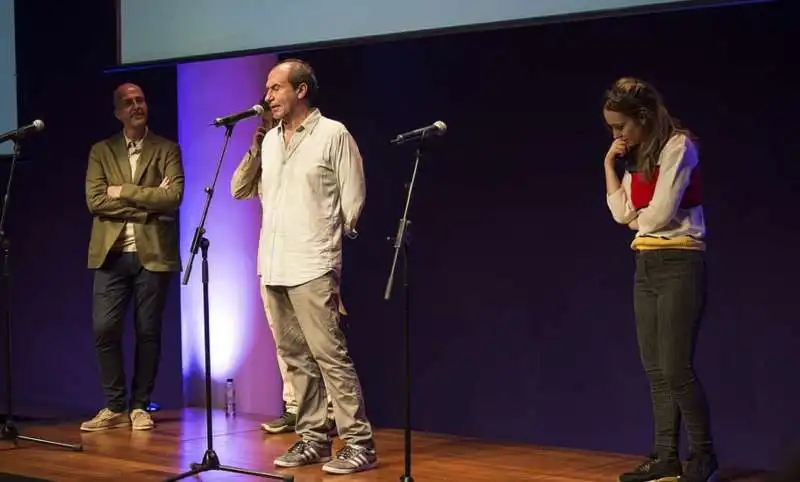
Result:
[[309, 123], [138, 143]]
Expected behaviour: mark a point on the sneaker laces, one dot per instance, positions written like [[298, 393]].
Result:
[[106, 414], [647, 464], [139, 413], [298, 448], [347, 452]]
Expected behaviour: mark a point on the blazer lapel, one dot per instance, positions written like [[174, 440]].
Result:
[[120, 151], [148, 150]]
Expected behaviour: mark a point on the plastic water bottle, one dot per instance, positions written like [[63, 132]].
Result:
[[230, 398]]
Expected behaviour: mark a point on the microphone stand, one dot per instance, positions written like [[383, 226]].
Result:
[[8, 431], [210, 459], [402, 243]]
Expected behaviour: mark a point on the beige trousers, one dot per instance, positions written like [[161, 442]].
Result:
[[288, 397], [310, 342]]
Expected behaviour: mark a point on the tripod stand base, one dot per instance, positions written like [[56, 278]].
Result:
[[8, 431], [211, 462], [406, 478]]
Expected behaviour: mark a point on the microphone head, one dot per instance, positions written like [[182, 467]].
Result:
[[38, 125], [258, 108], [440, 126]]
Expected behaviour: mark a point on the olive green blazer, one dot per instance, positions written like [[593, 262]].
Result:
[[152, 209]]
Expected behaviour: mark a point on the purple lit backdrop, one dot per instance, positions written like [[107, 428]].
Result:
[[241, 343]]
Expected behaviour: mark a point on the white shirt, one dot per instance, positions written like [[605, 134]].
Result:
[[127, 239], [312, 192]]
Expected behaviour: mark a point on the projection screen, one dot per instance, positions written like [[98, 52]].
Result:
[[8, 74], [163, 30]]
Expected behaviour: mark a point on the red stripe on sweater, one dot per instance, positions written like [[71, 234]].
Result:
[[642, 190]]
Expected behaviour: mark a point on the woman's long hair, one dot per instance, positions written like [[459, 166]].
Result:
[[641, 102]]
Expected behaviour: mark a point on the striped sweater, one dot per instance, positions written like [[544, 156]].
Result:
[[668, 207]]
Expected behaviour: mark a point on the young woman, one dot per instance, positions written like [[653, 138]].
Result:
[[658, 197]]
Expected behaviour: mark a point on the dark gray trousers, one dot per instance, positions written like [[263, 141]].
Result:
[[669, 300]]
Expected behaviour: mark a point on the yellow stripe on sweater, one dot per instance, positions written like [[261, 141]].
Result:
[[649, 243]]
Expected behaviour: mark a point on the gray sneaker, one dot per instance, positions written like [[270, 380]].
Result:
[[351, 459], [304, 453], [283, 424], [106, 419]]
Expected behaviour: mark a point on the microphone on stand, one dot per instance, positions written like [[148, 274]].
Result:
[[34, 126], [257, 109], [437, 128]]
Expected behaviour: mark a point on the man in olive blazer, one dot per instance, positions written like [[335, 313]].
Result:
[[134, 186]]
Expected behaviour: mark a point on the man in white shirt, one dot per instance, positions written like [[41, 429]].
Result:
[[312, 193], [246, 184]]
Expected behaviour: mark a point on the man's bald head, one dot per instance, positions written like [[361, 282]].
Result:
[[124, 89]]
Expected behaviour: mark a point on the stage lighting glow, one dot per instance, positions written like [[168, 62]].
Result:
[[240, 340]]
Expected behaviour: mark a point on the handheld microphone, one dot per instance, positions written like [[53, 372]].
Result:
[[257, 109], [437, 128], [34, 126]]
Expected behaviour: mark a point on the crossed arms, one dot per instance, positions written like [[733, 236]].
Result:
[[678, 159], [131, 202]]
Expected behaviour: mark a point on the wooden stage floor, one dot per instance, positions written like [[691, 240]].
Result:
[[180, 439]]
